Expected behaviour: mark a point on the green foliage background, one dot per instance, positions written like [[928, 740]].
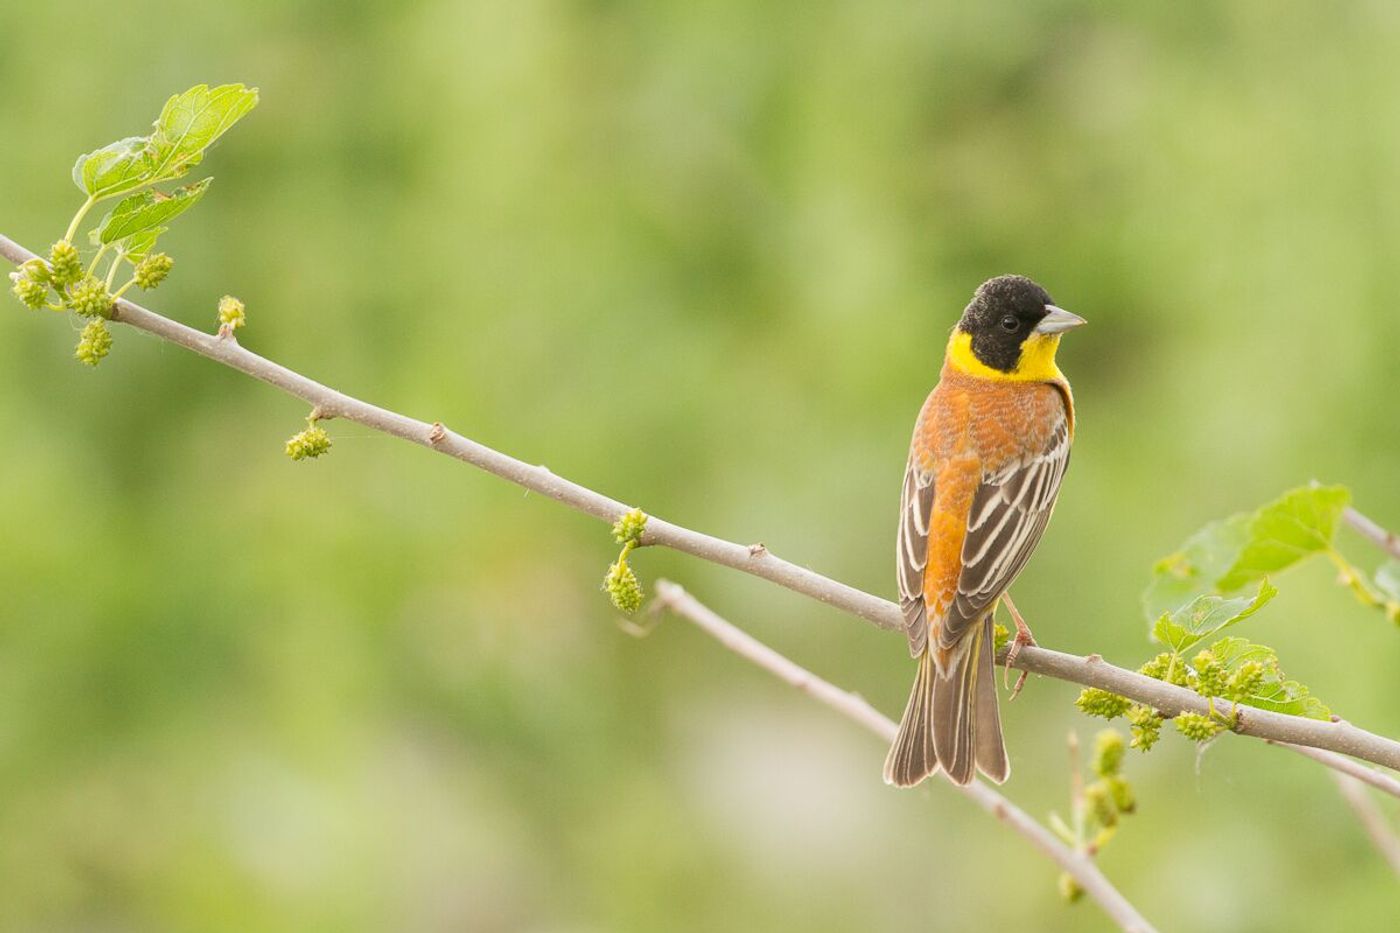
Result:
[[703, 257]]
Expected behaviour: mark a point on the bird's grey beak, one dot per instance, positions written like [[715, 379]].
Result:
[[1057, 321]]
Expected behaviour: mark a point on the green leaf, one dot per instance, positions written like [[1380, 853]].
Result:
[[1193, 570], [1204, 616], [114, 169], [139, 245], [1229, 555], [1234, 651], [1288, 696], [191, 122], [188, 124], [1283, 532], [148, 209], [1274, 692]]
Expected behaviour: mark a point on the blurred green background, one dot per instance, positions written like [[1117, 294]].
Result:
[[702, 257]]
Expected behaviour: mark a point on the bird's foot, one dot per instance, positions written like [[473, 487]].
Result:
[[1022, 638]]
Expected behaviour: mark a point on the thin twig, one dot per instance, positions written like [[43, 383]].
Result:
[[1090, 671], [1348, 774], [1387, 541], [1371, 817], [1380, 781], [1081, 867]]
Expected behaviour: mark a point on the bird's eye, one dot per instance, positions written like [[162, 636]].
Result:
[[1010, 323]]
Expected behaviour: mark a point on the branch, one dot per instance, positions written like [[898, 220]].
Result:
[[1091, 671], [1387, 541], [332, 404], [1382, 782], [1170, 700], [1084, 870]]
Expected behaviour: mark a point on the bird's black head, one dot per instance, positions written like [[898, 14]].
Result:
[[1004, 313]]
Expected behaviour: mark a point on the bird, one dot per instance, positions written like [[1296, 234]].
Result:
[[989, 451]]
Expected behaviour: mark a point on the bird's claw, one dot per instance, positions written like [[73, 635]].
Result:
[[1022, 638]]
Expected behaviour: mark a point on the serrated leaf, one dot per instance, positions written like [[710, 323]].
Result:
[[1274, 692], [1204, 616], [1233, 651], [1283, 532], [188, 124], [148, 209], [1193, 570], [191, 122], [114, 169], [139, 245], [1288, 696]]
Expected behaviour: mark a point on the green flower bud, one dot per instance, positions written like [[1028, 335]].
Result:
[[311, 443], [1122, 793], [622, 586], [1245, 681], [1069, 888], [90, 298], [32, 293], [1196, 727], [94, 344], [1095, 702], [629, 527], [1108, 752], [1000, 636], [1210, 675], [65, 265], [152, 270], [1147, 726], [37, 270], [1100, 802], [1159, 668], [231, 312]]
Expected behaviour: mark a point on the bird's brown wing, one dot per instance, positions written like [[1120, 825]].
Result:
[[1008, 515], [915, 508]]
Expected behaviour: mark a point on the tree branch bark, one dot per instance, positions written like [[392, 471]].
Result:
[[1090, 671], [1387, 541], [1341, 763], [1083, 869]]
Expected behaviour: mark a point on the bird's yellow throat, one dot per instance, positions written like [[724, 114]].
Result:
[[1037, 362]]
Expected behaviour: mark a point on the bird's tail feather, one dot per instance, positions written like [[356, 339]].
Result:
[[988, 744], [951, 719], [911, 757]]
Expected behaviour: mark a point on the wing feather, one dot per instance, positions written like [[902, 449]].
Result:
[[915, 507], [1008, 515]]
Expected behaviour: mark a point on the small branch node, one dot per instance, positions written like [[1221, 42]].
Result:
[[437, 433], [758, 550]]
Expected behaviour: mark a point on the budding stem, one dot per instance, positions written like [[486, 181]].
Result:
[[102, 250], [78, 218]]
